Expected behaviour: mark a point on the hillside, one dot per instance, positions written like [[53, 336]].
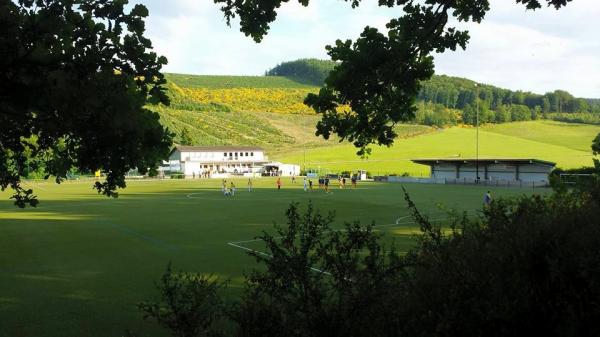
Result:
[[309, 71], [267, 111], [224, 82], [562, 144]]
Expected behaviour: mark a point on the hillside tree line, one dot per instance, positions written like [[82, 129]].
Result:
[[446, 100]]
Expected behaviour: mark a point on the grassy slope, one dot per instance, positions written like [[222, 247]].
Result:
[[224, 82], [445, 143], [78, 264], [575, 136], [286, 135], [225, 128]]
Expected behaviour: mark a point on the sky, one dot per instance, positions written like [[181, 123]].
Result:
[[513, 48]]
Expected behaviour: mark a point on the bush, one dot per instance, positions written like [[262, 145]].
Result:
[[520, 113], [189, 306], [584, 118], [177, 175], [529, 267]]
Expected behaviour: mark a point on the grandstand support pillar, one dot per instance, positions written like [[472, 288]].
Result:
[[457, 171], [517, 173], [485, 172]]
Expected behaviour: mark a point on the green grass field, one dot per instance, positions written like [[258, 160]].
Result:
[[78, 264]]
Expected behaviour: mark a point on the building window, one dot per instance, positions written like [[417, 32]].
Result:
[[230, 154], [246, 154], [236, 154], [252, 154], [225, 154]]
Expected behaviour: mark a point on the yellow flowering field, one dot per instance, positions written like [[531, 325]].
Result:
[[278, 100]]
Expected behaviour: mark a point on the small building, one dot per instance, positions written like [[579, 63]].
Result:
[[509, 170], [210, 160], [280, 169]]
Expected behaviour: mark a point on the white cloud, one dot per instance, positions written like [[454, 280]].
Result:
[[514, 48]]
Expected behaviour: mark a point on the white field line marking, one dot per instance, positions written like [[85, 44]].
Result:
[[34, 185], [401, 218], [284, 197], [271, 256], [397, 223], [237, 244]]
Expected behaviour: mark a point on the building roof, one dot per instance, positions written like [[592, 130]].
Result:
[[485, 161], [183, 148]]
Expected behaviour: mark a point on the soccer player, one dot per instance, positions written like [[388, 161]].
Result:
[[310, 183], [249, 184], [354, 181], [278, 183], [232, 189], [293, 179], [487, 199], [326, 182], [305, 185]]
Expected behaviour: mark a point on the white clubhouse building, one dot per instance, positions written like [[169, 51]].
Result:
[[219, 161], [199, 160]]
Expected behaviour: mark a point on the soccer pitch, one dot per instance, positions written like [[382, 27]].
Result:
[[79, 263]]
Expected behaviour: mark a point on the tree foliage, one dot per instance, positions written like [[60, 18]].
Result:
[[456, 92], [319, 282], [186, 137], [189, 306], [74, 78], [378, 75], [309, 71]]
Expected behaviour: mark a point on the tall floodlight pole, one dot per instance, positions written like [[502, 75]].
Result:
[[304, 158], [477, 141], [305, 153]]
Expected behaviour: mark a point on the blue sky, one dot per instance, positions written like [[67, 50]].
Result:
[[536, 51]]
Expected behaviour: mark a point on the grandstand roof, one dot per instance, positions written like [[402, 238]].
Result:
[[485, 161]]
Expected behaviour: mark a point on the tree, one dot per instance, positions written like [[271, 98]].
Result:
[[546, 105], [186, 137], [503, 114], [520, 113], [379, 75], [189, 305], [596, 151], [536, 112], [310, 71], [469, 115], [74, 78]]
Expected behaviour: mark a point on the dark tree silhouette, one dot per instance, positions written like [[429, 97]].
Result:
[[378, 75], [74, 78]]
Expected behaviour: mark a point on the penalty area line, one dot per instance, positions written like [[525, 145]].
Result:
[[233, 244], [238, 244]]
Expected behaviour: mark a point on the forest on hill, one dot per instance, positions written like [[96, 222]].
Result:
[[453, 100], [453, 92], [309, 71]]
